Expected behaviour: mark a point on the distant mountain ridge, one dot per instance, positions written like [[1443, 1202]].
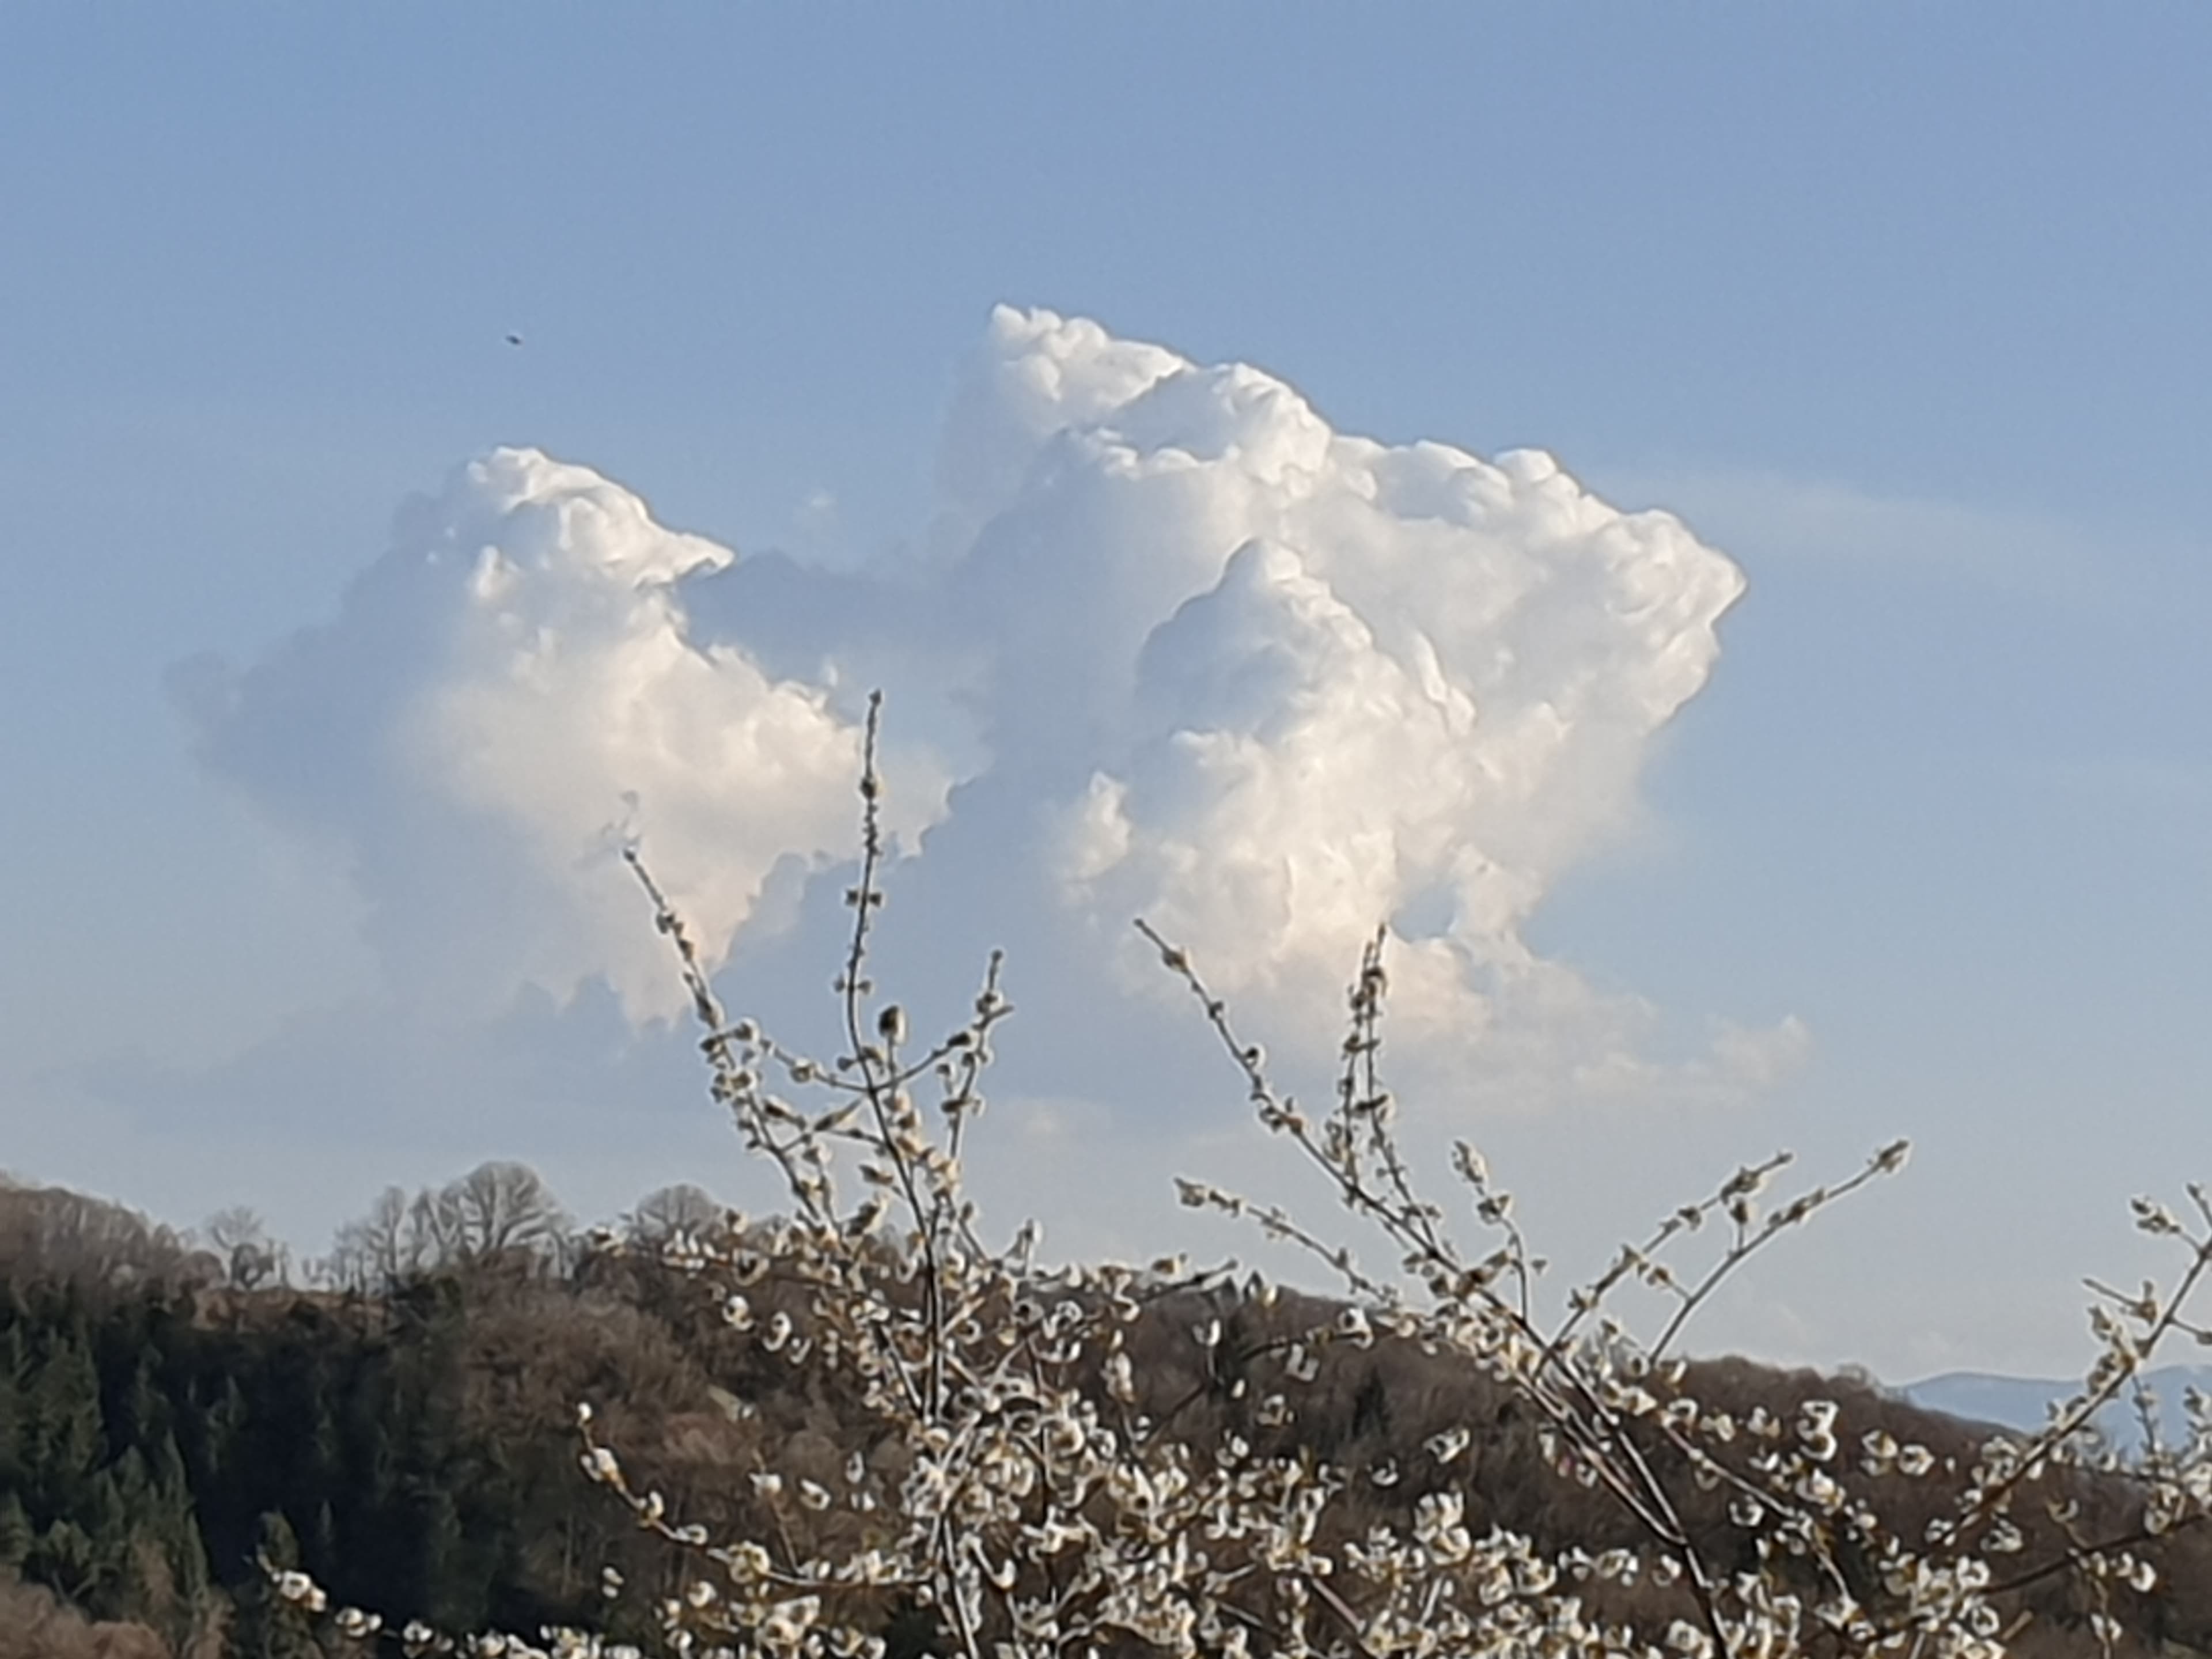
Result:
[[2023, 1403]]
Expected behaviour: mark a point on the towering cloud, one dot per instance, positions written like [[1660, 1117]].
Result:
[[1282, 684], [506, 697], [1192, 654]]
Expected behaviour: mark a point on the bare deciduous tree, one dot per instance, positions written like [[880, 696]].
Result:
[[51, 1229], [673, 1211], [497, 1209], [381, 1249], [251, 1258], [501, 1206]]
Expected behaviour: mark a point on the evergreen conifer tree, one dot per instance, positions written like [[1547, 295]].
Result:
[[15, 1532], [268, 1627], [60, 1437]]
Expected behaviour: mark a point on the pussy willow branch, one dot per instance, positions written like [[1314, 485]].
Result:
[[987, 1374], [2076, 1554], [2058, 1434], [1887, 1161], [1593, 1427], [707, 1009], [853, 983]]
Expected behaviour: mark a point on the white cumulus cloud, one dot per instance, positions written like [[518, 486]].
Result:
[[1285, 685], [1195, 655], [507, 696]]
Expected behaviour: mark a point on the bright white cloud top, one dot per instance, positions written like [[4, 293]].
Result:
[[1217, 664], [507, 696]]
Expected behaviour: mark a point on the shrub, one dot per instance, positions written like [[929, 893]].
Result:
[[33, 1624], [1001, 1459]]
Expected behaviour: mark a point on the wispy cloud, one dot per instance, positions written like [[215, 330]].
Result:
[[1842, 525]]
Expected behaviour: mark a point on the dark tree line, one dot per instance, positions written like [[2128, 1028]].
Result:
[[170, 1415], [404, 1433], [149, 1452]]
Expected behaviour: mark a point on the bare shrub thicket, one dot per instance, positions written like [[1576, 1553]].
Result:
[[979, 1457], [35, 1624], [53, 1232]]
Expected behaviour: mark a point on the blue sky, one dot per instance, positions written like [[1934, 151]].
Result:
[[1901, 311]]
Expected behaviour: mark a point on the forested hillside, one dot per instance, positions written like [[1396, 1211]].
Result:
[[409, 1441], [160, 1425]]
